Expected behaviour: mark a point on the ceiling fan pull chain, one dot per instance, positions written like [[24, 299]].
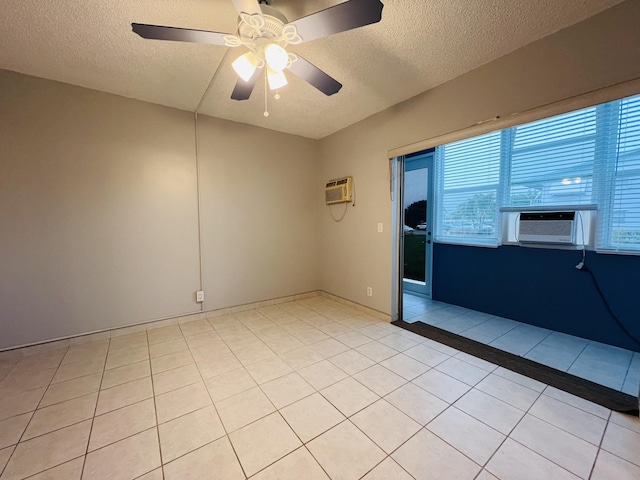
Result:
[[266, 94]]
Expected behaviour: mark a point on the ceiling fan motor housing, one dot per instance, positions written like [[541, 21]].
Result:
[[274, 22]]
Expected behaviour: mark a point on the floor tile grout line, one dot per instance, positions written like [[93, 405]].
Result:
[[52, 467], [22, 440], [563, 429], [598, 447], [452, 404], [356, 427], [571, 405], [628, 368], [304, 445], [497, 398], [540, 342], [613, 454], [450, 444], [508, 436], [123, 438], [621, 426], [57, 402], [147, 473], [86, 451], [224, 428], [595, 460], [578, 356], [155, 409], [2, 470], [106, 445], [371, 439], [123, 384], [546, 458], [34, 412]]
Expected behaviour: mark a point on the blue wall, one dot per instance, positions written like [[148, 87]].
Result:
[[541, 287]]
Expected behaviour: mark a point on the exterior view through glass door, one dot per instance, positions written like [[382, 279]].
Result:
[[418, 223]]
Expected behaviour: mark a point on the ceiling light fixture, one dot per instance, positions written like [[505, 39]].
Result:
[[276, 79], [265, 35], [276, 57], [245, 65]]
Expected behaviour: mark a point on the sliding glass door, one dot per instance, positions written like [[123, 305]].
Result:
[[418, 223]]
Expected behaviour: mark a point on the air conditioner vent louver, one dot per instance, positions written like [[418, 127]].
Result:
[[547, 227]]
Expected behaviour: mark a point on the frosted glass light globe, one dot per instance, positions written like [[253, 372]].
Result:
[[276, 79], [245, 66], [276, 57]]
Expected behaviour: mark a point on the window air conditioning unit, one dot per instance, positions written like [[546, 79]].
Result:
[[547, 227], [338, 191]]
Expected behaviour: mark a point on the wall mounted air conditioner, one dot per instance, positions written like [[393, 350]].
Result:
[[338, 191], [547, 227]]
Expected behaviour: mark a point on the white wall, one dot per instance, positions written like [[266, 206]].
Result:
[[98, 212], [599, 52]]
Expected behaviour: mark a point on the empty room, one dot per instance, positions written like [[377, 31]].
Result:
[[295, 239]]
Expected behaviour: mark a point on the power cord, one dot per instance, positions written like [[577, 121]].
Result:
[[581, 266], [346, 206]]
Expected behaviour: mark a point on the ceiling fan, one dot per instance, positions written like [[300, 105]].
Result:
[[266, 33]]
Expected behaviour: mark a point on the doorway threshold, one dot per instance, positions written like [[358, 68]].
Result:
[[594, 392]]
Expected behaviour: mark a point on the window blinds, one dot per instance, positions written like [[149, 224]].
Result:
[[468, 175], [552, 161], [620, 199], [590, 156]]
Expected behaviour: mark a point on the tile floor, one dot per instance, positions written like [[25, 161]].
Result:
[[303, 390], [604, 364]]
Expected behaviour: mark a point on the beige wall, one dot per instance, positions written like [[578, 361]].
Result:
[[98, 212], [596, 53], [260, 234]]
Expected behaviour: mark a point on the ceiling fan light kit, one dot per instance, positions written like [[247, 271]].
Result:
[[266, 33], [245, 65], [276, 79]]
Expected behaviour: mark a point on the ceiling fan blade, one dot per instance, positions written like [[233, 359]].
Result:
[[315, 77], [339, 18], [247, 6], [243, 90], [159, 32]]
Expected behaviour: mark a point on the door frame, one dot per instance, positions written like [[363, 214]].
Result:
[[420, 160], [396, 192]]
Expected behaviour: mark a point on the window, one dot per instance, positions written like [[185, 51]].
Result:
[[552, 161], [468, 176], [587, 157], [620, 203]]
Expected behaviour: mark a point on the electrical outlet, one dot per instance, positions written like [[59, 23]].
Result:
[[380, 227], [369, 292], [200, 296]]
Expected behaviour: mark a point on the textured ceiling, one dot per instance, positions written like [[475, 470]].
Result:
[[418, 44]]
